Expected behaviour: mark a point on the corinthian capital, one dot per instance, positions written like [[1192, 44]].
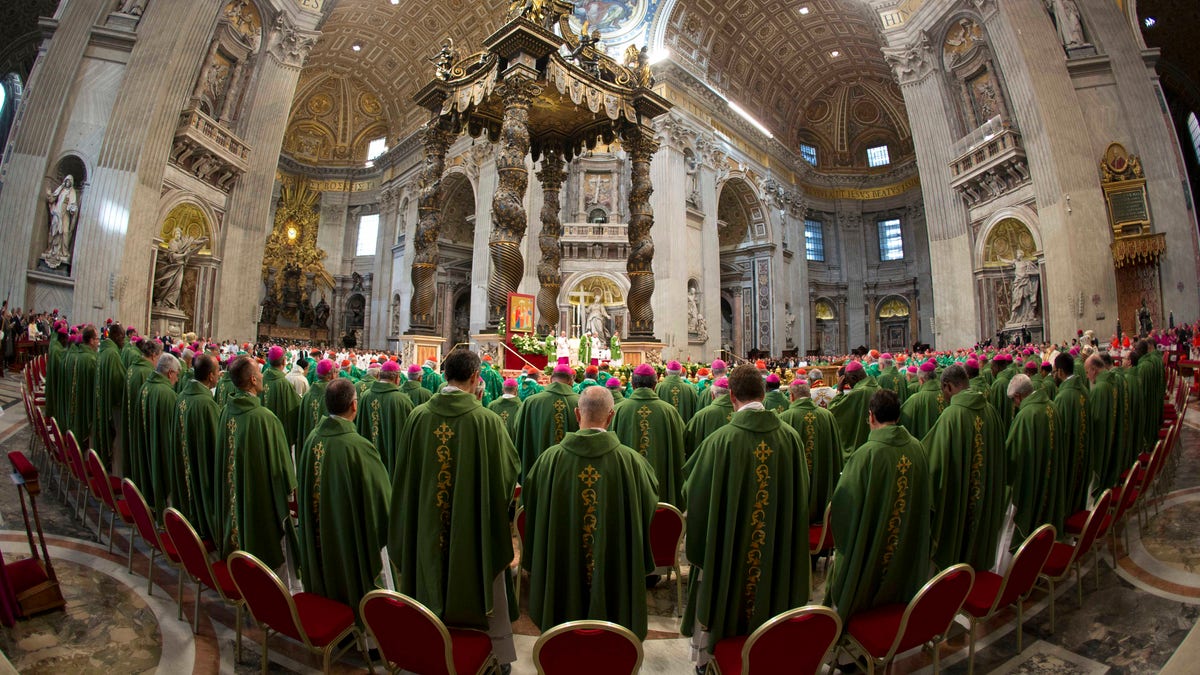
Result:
[[291, 45], [912, 63]]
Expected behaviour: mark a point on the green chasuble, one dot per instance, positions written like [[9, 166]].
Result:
[[529, 387], [1124, 447], [130, 354], [225, 389], [967, 462], [381, 417], [921, 410], [1154, 387], [543, 420], [1104, 413], [892, 379], [1136, 416], [585, 350], [822, 452], [109, 393], [980, 384], [431, 381], [998, 397], [1049, 386], [449, 533], [257, 478], [493, 383], [280, 397], [1032, 466], [880, 523], [589, 502], [415, 392], [506, 407], [849, 408], [185, 376], [364, 385], [55, 394], [618, 396], [157, 440], [81, 411], [654, 429], [587, 382], [680, 393], [747, 495], [312, 411], [342, 496], [197, 424], [137, 462], [705, 422], [1075, 454], [776, 401]]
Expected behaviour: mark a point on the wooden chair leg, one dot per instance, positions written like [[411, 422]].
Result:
[[678, 591], [196, 611]]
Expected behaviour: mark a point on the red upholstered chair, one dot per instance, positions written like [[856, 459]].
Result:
[[318, 623], [820, 537], [877, 635], [107, 490], [214, 575], [143, 519], [666, 533], [58, 456], [519, 526], [411, 638], [587, 648], [991, 592], [75, 464], [1065, 557], [793, 643]]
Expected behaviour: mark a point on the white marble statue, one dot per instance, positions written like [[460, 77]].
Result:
[[133, 7], [597, 317], [1070, 25], [1026, 280], [168, 273], [64, 207], [789, 325]]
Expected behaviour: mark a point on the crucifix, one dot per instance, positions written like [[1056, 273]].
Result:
[[578, 298]]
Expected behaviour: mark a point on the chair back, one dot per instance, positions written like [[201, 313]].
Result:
[[1025, 567], [587, 648], [56, 442], [98, 481], [410, 637], [772, 647], [269, 602], [1129, 492], [929, 614], [190, 548], [143, 517], [74, 457], [666, 532], [1091, 529]]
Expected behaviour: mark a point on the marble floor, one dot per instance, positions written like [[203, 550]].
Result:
[[1132, 619]]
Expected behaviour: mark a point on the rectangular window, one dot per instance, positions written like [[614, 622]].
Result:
[[1194, 132], [368, 234], [891, 241], [878, 156], [809, 153], [814, 240], [376, 148]]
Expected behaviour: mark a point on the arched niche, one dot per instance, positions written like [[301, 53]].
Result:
[[741, 217], [893, 315], [221, 84], [581, 289], [189, 217], [1009, 266], [746, 249], [59, 256], [456, 250], [827, 335]]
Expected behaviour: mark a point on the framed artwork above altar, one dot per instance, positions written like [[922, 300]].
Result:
[[520, 313]]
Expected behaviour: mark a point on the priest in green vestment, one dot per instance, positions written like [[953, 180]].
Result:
[[653, 428], [1104, 413], [506, 406], [382, 414], [431, 380], [1048, 383], [186, 358], [1122, 446], [822, 447], [81, 411], [197, 425], [588, 502], [1135, 382], [710, 418], [371, 377], [1150, 368], [719, 371], [109, 393], [137, 461], [967, 463], [279, 396], [614, 387], [493, 381], [880, 517], [979, 382], [849, 407], [255, 472], [449, 533], [312, 404], [544, 419], [342, 496], [775, 400], [747, 495], [156, 441], [998, 393], [921, 410], [585, 349], [1033, 459], [891, 379], [225, 387], [678, 392], [528, 385], [415, 388], [55, 392], [1075, 454], [131, 352]]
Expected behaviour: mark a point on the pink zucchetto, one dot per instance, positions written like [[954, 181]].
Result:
[[275, 353], [854, 366], [722, 382], [886, 355], [613, 383], [563, 369], [912, 370], [390, 367], [772, 379], [645, 369], [1074, 351], [414, 369], [973, 363], [564, 361], [1031, 365], [928, 367], [719, 365], [324, 367], [1047, 364], [674, 366], [510, 383]]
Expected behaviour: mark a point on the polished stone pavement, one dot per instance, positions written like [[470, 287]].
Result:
[[1133, 623]]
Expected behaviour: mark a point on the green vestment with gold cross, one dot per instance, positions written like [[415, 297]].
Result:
[[654, 429], [822, 452], [543, 420], [198, 424], [382, 413], [919, 413], [679, 393], [1033, 458], [156, 440]]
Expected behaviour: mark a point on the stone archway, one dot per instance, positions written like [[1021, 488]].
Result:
[[1009, 247], [744, 241], [192, 305], [893, 319], [583, 290]]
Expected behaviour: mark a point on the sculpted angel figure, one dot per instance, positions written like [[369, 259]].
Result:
[[1026, 280], [64, 206], [168, 273]]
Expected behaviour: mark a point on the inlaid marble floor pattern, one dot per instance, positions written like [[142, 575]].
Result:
[[1132, 623]]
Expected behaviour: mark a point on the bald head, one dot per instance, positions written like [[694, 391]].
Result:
[[595, 409], [1094, 366]]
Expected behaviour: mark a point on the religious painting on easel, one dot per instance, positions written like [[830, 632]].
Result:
[[520, 313]]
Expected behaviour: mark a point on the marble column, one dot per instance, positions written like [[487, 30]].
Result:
[[508, 202], [422, 315], [551, 176], [641, 145]]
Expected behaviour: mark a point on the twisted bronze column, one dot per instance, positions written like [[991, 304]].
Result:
[[508, 206], [436, 140], [552, 176], [641, 144]]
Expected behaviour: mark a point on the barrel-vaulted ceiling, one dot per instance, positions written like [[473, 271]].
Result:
[[768, 56]]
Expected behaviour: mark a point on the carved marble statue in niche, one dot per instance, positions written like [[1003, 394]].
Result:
[[168, 272], [697, 326], [395, 315], [789, 324], [693, 178], [597, 319], [307, 315], [321, 314], [1068, 22], [133, 7], [1026, 281], [63, 203]]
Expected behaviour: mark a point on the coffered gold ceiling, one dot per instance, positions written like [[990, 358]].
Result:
[[763, 54]]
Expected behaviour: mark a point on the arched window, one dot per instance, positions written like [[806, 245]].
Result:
[[1194, 132], [597, 216]]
